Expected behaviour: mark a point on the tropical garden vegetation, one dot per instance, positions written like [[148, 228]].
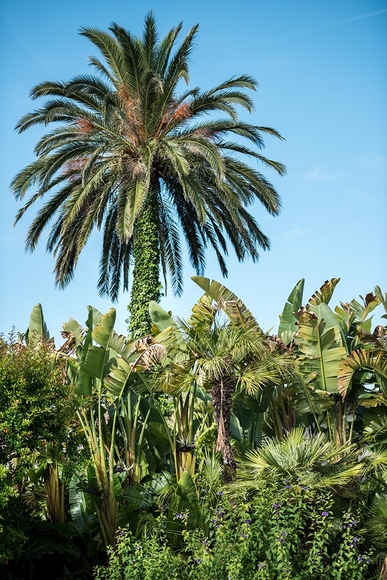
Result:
[[207, 438], [201, 448]]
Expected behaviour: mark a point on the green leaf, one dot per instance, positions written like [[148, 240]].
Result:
[[73, 327], [321, 347], [288, 320], [365, 360], [229, 302], [95, 361], [36, 474], [325, 293], [103, 331], [37, 329], [81, 514], [186, 485], [382, 297], [161, 319], [84, 381]]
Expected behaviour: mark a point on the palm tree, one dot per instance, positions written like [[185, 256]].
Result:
[[132, 156], [224, 358], [231, 358], [299, 457]]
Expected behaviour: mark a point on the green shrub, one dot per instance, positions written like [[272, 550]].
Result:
[[141, 560], [286, 533], [37, 408], [36, 404]]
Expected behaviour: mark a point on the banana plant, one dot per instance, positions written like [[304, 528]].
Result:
[[337, 359], [37, 329], [190, 413], [367, 351], [95, 365], [48, 470], [112, 372], [363, 372], [322, 345], [321, 348]]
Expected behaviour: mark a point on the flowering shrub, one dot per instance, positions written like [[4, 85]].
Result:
[[140, 560], [289, 533], [300, 538], [36, 404]]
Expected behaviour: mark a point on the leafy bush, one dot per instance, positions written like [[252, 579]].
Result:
[[135, 560], [287, 533], [37, 405], [36, 412]]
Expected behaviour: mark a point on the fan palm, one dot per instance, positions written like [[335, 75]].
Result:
[[132, 156], [309, 459]]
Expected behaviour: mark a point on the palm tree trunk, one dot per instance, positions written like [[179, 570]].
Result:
[[221, 395], [146, 272]]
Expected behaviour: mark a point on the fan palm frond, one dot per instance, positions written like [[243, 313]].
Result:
[[310, 460]]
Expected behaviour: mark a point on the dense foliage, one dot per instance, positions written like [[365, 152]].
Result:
[[287, 533], [206, 450], [36, 441]]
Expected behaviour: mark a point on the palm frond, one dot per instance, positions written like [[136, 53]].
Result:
[[299, 457], [126, 135]]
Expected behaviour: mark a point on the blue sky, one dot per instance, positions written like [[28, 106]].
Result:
[[322, 71]]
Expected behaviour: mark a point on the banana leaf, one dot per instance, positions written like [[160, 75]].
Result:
[[160, 318], [82, 516], [103, 331], [75, 329], [382, 298], [320, 342], [230, 303], [37, 328], [325, 293], [288, 320], [373, 360]]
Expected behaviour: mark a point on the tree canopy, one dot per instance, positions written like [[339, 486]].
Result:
[[148, 161]]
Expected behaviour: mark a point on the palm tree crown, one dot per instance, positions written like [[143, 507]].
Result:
[[133, 156]]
